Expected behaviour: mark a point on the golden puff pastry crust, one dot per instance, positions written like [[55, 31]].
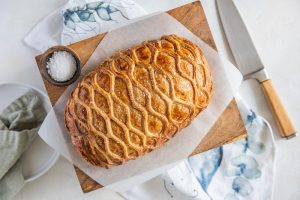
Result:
[[137, 100]]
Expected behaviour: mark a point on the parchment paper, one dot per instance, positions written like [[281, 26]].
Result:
[[53, 129]]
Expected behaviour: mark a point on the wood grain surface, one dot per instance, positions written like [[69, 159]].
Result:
[[280, 114], [228, 128]]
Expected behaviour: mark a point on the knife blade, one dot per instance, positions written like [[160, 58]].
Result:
[[250, 64]]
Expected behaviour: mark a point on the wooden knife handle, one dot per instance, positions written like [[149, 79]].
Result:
[[280, 114]]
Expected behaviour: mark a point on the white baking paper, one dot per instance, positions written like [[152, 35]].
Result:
[[53, 129]]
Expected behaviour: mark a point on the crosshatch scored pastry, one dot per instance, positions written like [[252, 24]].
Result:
[[137, 100]]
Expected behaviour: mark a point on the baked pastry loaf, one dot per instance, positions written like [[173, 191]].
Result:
[[137, 100]]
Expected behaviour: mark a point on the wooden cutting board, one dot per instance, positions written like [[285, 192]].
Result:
[[228, 128]]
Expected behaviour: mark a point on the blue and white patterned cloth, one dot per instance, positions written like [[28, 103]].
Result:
[[239, 171], [81, 19]]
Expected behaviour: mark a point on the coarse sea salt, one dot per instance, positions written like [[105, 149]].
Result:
[[61, 66]]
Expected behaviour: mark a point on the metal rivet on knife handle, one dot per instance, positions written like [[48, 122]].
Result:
[[280, 114]]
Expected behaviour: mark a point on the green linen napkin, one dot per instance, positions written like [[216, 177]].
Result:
[[19, 123]]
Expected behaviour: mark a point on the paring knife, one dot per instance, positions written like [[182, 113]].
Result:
[[249, 63]]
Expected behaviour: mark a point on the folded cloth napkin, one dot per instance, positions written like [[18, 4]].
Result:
[[81, 19], [242, 170], [19, 124]]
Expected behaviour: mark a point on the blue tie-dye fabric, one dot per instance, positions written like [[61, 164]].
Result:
[[205, 169], [242, 166]]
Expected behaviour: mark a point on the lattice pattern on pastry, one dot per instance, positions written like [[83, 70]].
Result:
[[137, 100]]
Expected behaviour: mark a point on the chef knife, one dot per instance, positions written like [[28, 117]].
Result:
[[249, 63]]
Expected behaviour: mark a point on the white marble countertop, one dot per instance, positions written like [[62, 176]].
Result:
[[275, 28]]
